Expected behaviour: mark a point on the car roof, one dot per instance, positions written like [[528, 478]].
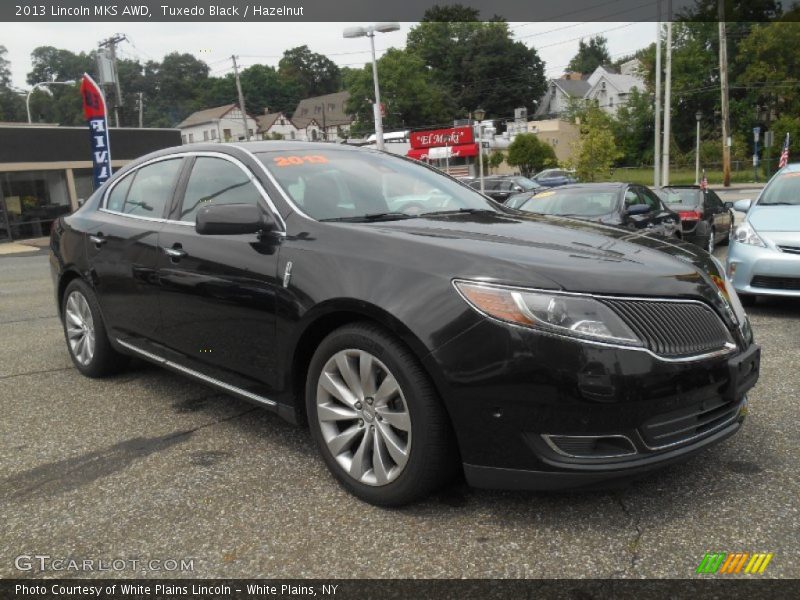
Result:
[[603, 185]]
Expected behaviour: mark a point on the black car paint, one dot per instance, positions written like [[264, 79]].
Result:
[[663, 221], [715, 217], [231, 309]]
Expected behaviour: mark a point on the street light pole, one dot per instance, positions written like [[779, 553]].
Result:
[[354, 32], [41, 84], [479, 115], [698, 115]]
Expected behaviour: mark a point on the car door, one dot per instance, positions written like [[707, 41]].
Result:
[[665, 222], [721, 215], [122, 247], [640, 221], [218, 292]]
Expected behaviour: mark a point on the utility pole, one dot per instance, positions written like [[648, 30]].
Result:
[[140, 95], [667, 106], [657, 153], [241, 97], [723, 81], [111, 43]]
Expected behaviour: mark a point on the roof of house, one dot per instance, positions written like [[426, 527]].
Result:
[[327, 110], [206, 115], [576, 88], [622, 83], [268, 120]]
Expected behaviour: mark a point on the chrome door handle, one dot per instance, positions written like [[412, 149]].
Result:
[[176, 253], [98, 240]]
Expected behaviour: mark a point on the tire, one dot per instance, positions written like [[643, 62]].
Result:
[[85, 333], [386, 461]]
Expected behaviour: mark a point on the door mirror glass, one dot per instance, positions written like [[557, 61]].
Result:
[[232, 219], [728, 205], [742, 205]]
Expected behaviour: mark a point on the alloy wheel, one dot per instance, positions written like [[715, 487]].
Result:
[[363, 417], [80, 328]]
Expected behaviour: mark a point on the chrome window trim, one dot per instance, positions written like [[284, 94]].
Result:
[[195, 153], [197, 374], [728, 348]]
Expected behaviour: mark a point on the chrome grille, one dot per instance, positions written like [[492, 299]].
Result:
[[687, 423], [672, 329]]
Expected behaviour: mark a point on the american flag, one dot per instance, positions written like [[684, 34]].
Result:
[[704, 181], [784, 153]]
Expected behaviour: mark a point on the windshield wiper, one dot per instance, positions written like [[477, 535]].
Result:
[[777, 204], [379, 216], [468, 211]]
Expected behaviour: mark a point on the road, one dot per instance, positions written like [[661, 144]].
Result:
[[148, 465]]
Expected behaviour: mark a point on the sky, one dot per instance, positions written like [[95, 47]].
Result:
[[214, 43]]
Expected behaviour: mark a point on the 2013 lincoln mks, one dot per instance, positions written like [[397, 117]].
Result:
[[419, 328]]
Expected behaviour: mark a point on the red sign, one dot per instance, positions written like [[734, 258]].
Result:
[[94, 105], [455, 136]]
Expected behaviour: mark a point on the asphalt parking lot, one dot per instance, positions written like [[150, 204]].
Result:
[[148, 465]]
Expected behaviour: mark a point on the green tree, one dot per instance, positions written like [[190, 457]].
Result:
[[12, 106], [596, 150], [530, 154], [590, 55], [496, 159], [478, 63], [633, 127], [313, 74], [410, 93]]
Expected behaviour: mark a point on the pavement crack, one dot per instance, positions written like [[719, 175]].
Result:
[[633, 546], [43, 371]]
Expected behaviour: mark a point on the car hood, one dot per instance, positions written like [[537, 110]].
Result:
[[775, 218], [561, 253]]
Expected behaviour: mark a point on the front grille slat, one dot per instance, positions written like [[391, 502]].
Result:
[[672, 328], [776, 283], [688, 423]]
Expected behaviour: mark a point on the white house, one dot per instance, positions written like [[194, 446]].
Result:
[[608, 89], [323, 117], [270, 124], [218, 124]]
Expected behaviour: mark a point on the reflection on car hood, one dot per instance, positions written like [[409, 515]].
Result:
[[574, 255], [775, 218]]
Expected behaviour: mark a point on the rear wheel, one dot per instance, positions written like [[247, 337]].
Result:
[[85, 332], [376, 418]]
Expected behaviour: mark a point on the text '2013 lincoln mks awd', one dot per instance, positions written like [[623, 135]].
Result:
[[417, 327]]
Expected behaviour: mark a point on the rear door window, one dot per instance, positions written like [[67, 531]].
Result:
[[152, 188]]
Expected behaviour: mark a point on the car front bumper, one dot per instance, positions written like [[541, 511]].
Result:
[[522, 402], [773, 272]]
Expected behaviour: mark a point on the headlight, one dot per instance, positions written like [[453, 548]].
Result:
[[745, 234], [566, 314]]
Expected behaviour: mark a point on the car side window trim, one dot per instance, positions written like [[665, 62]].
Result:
[[177, 191]]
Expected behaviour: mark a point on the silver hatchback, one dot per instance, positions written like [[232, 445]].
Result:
[[764, 253]]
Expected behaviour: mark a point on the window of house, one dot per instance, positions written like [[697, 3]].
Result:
[[184, 138], [191, 138], [213, 134], [205, 136], [216, 181], [226, 134]]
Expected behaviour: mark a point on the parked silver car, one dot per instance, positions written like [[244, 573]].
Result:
[[764, 254]]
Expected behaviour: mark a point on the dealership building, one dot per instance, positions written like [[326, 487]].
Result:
[[45, 170]]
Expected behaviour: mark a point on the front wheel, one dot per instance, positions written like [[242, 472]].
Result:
[[376, 418]]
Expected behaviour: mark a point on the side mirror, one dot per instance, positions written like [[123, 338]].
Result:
[[81, 202], [728, 205], [638, 209], [232, 219], [742, 205]]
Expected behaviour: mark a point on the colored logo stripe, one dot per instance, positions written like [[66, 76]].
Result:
[[724, 563]]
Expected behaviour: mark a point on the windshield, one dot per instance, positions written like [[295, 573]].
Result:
[[354, 185], [688, 198], [526, 184], [784, 189], [572, 202]]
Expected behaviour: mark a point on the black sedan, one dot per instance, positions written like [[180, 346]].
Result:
[[502, 187], [625, 205], [524, 351], [705, 219]]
